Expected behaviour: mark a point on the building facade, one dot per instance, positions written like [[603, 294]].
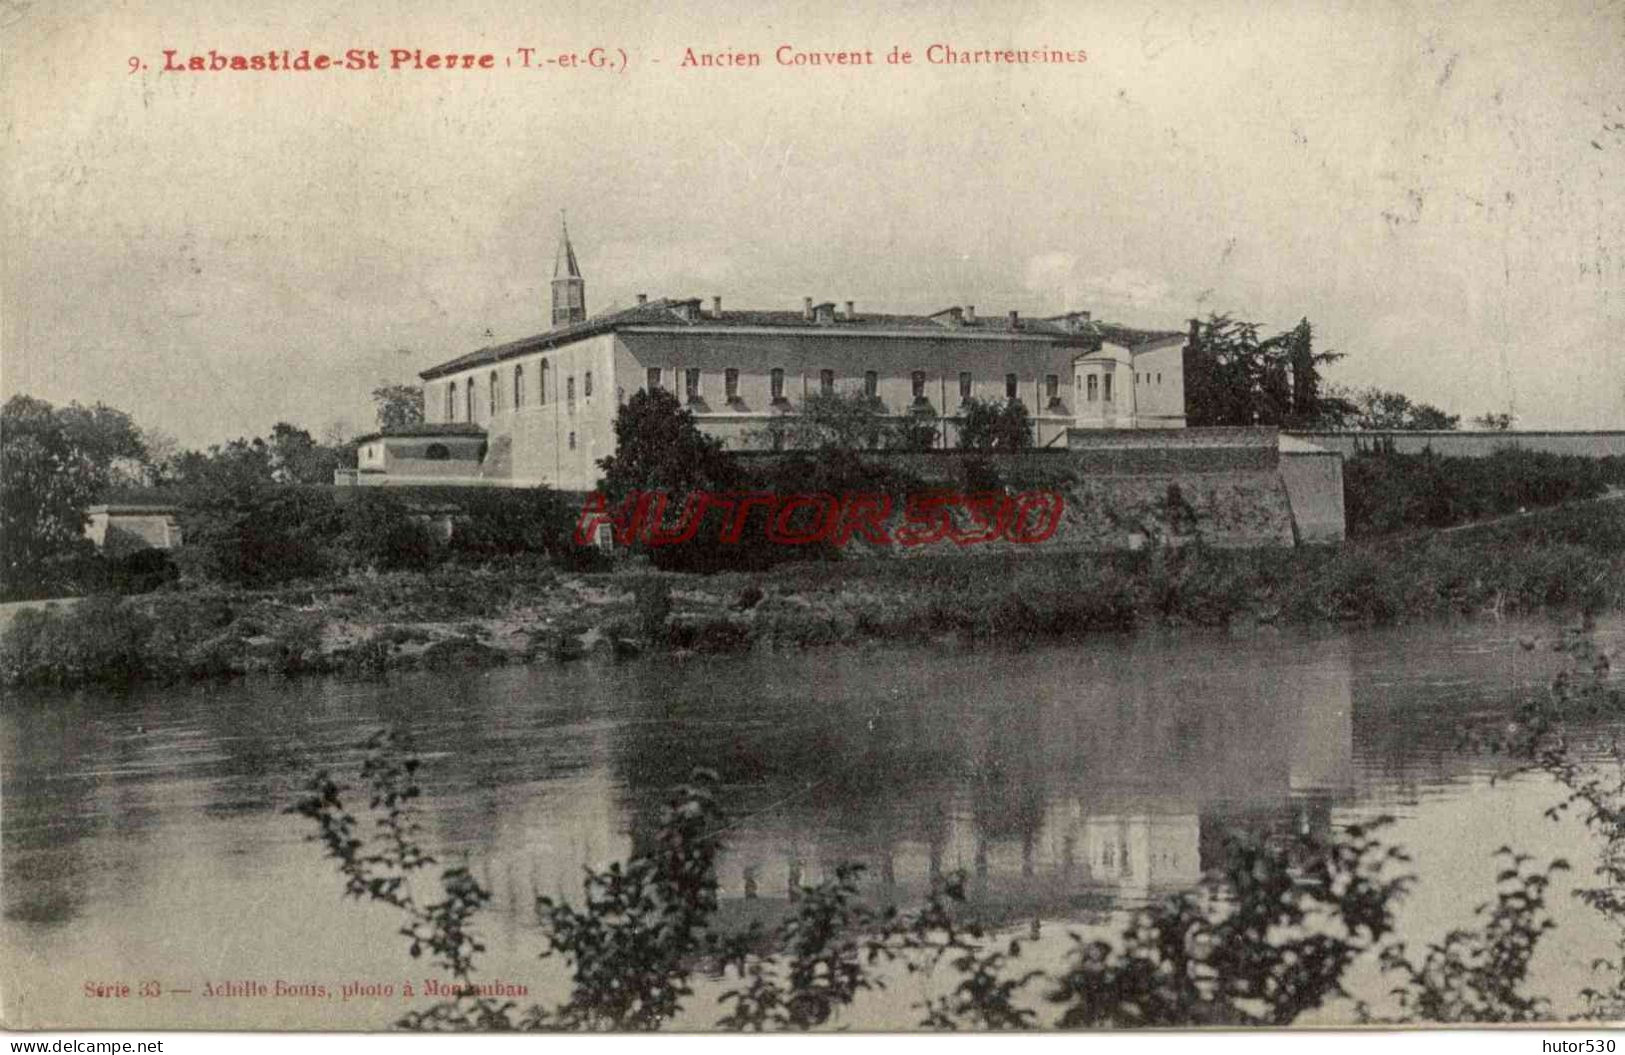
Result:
[[545, 405]]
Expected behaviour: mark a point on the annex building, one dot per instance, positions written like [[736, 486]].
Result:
[[541, 410]]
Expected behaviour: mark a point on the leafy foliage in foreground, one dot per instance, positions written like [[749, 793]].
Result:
[[1269, 937]]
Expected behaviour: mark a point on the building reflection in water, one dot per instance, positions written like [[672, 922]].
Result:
[[1116, 790]]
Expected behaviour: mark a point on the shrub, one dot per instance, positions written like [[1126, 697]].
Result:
[[381, 533], [1386, 492], [98, 639], [260, 537]]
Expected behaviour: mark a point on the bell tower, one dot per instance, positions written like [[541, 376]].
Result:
[[569, 288]]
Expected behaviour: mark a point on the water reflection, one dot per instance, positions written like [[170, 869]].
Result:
[[1065, 782]]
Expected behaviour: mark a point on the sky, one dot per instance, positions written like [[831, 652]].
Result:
[[1436, 187]]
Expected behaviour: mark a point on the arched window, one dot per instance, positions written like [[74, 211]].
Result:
[[518, 387], [468, 400], [437, 452], [495, 391], [543, 373], [451, 401]]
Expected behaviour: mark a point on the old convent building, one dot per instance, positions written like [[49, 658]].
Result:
[[541, 410]]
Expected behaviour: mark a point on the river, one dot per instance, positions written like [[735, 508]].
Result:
[[145, 839]]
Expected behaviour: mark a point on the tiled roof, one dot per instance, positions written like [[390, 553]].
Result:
[[680, 313], [445, 428]]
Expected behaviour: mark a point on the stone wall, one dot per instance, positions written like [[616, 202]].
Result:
[[1458, 444], [1231, 496]]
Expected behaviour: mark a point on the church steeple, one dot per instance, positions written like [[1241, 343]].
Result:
[[569, 288]]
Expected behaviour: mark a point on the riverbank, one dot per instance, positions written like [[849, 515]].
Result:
[[524, 611]]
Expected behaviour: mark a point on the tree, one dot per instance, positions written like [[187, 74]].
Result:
[[296, 457], [239, 468], [399, 406], [850, 421], [990, 425], [47, 489], [106, 438], [1493, 421], [1375, 408], [1233, 377], [659, 447], [54, 463], [157, 465], [830, 421]]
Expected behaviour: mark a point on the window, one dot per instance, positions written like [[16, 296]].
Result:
[[1094, 387], [543, 372], [691, 385], [1159, 378], [570, 390], [586, 386], [917, 380], [777, 383], [1009, 386], [1106, 389], [826, 382], [437, 452], [468, 400], [451, 401], [964, 386], [572, 441], [1052, 387], [654, 378], [871, 384], [730, 384], [495, 392], [518, 387]]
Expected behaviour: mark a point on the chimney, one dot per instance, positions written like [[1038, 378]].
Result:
[[850, 313], [643, 298], [970, 313], [716, 307], [1015, 320], [806, 308], [1195, 338]]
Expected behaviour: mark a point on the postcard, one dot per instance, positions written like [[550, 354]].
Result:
[[800, 517]]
